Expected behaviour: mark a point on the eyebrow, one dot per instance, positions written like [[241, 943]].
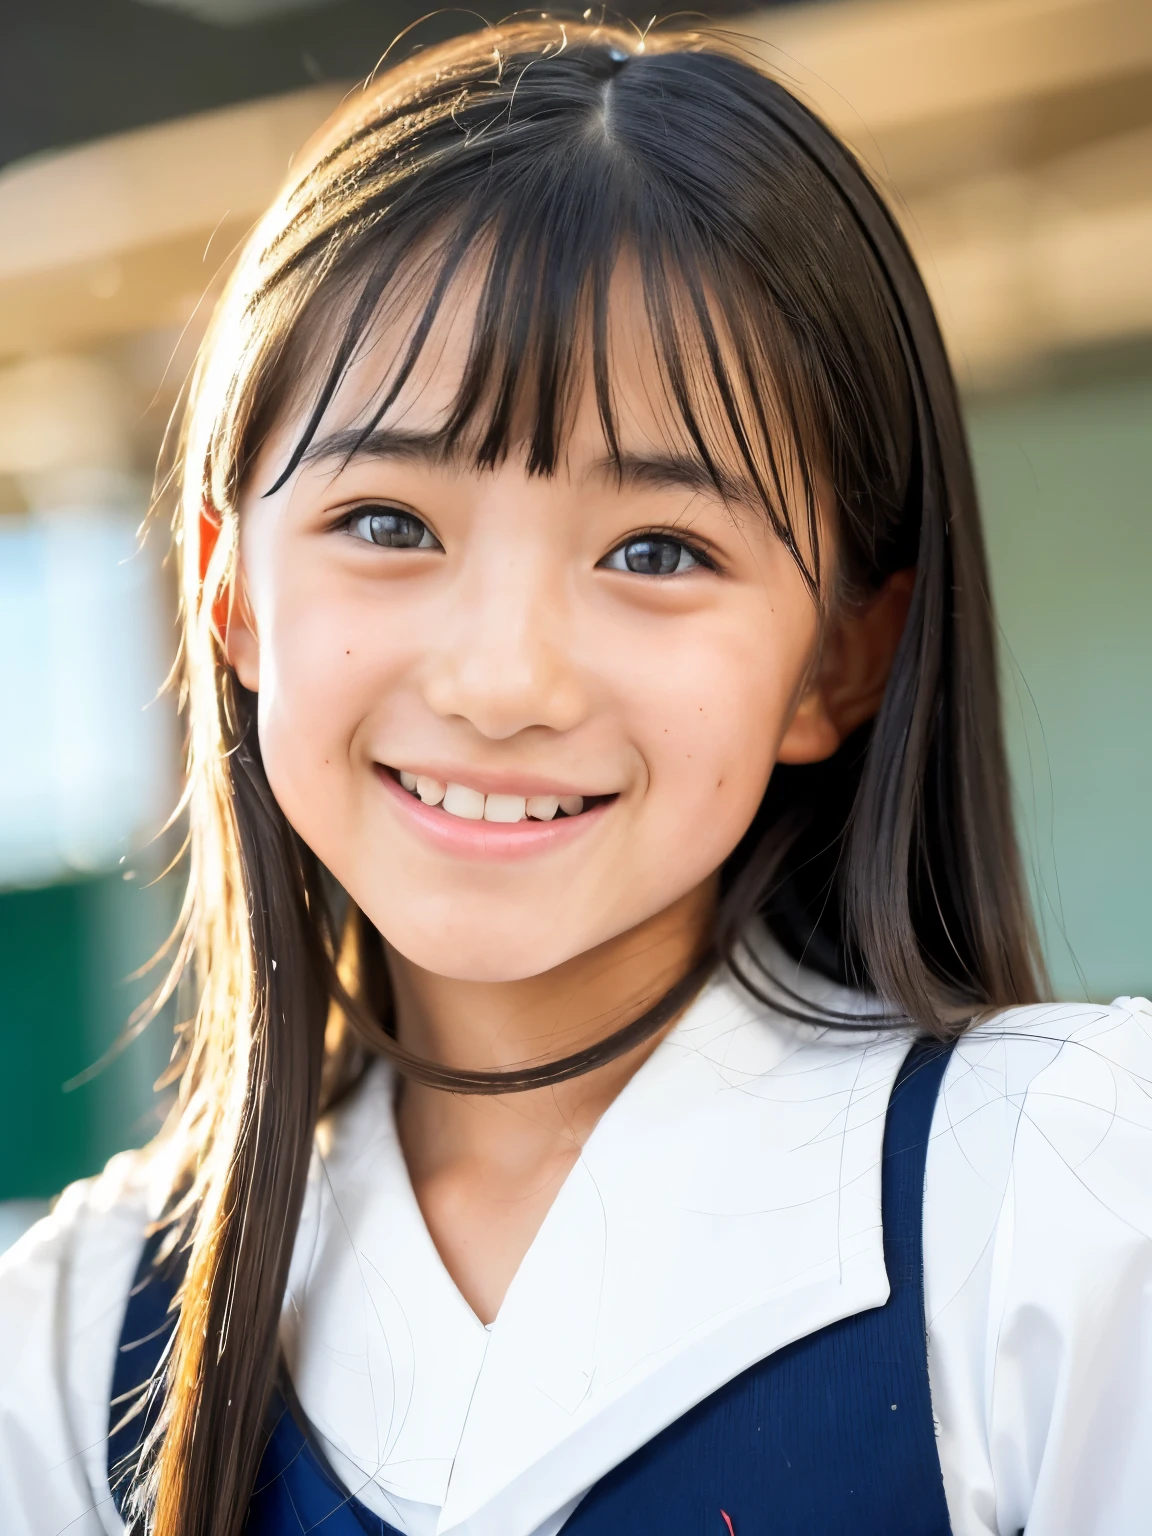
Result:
[[384, 443], [676, 471], [642, 471]]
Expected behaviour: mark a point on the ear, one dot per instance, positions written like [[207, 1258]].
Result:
[[232, 617], [241, 642], [851, 673]]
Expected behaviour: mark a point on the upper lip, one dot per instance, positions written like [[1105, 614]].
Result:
[[489, 783]]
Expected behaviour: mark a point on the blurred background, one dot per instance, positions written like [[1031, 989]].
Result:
[[139, 140]]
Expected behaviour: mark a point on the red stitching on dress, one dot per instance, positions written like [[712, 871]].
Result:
[[727, 1519]]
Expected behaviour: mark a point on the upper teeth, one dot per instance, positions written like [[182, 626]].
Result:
[[459, 800]]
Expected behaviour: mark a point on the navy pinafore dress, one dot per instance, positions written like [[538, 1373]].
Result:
[[831, 1436]]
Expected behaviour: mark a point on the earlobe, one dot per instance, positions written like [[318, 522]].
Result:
[[241, 645], [812, 734], [851, 675]]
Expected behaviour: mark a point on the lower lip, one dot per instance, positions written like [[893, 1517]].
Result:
[[497, 840]]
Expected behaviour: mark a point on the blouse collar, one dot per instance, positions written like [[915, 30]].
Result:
[[727, 1203]]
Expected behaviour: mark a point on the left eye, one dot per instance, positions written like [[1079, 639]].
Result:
[[652, 554], [392, 529]]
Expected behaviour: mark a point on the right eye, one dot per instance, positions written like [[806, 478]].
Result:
[[391, 528]]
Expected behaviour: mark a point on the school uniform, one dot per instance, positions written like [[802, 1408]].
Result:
[[730, 1320]]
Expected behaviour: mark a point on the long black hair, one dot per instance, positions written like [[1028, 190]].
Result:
[[795, 342]]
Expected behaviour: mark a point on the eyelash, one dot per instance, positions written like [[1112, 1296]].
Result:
[[664, 536], [382, 510]]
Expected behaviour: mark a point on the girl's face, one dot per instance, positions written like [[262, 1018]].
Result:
[[631, 645]]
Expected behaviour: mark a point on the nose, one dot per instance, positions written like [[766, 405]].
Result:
[[505, 659]]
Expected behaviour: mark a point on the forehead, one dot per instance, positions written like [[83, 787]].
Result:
[[418, 372], [590, 389]]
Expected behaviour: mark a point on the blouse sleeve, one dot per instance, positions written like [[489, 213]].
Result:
[[63, 1289], [1038, 1273]]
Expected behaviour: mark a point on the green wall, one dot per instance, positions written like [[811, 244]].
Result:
[[1066, 481], [66, 953]]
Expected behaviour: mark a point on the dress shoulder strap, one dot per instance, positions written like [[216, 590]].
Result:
[[906, 1133], [296, 1491], [149, 1323]]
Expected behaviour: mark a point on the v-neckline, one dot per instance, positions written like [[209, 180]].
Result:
[[586, 1146]]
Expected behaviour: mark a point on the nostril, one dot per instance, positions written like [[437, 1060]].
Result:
[[501, 694]]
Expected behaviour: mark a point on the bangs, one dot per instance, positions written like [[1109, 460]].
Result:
[[558, 278]]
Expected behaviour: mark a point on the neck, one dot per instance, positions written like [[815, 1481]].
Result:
[[492, 1026], [485, 1169]]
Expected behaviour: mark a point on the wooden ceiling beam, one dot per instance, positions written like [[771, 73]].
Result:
[[1009, 134], [873, 66]]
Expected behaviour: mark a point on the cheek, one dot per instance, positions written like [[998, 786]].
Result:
[[710, 722], [327, 665]]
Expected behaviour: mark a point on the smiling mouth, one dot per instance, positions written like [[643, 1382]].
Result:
[[469, 804]]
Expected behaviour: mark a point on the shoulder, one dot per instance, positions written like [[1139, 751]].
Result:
[[1044, 1120], [1108, 1038], [1058, 1095], [63, 1289], [1038, 1269]]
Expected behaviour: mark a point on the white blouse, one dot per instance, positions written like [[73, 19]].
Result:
[[727, 1203]]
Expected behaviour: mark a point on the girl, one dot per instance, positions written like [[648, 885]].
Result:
[[606, 919]]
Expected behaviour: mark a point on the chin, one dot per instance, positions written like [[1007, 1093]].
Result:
[[476, 951]]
